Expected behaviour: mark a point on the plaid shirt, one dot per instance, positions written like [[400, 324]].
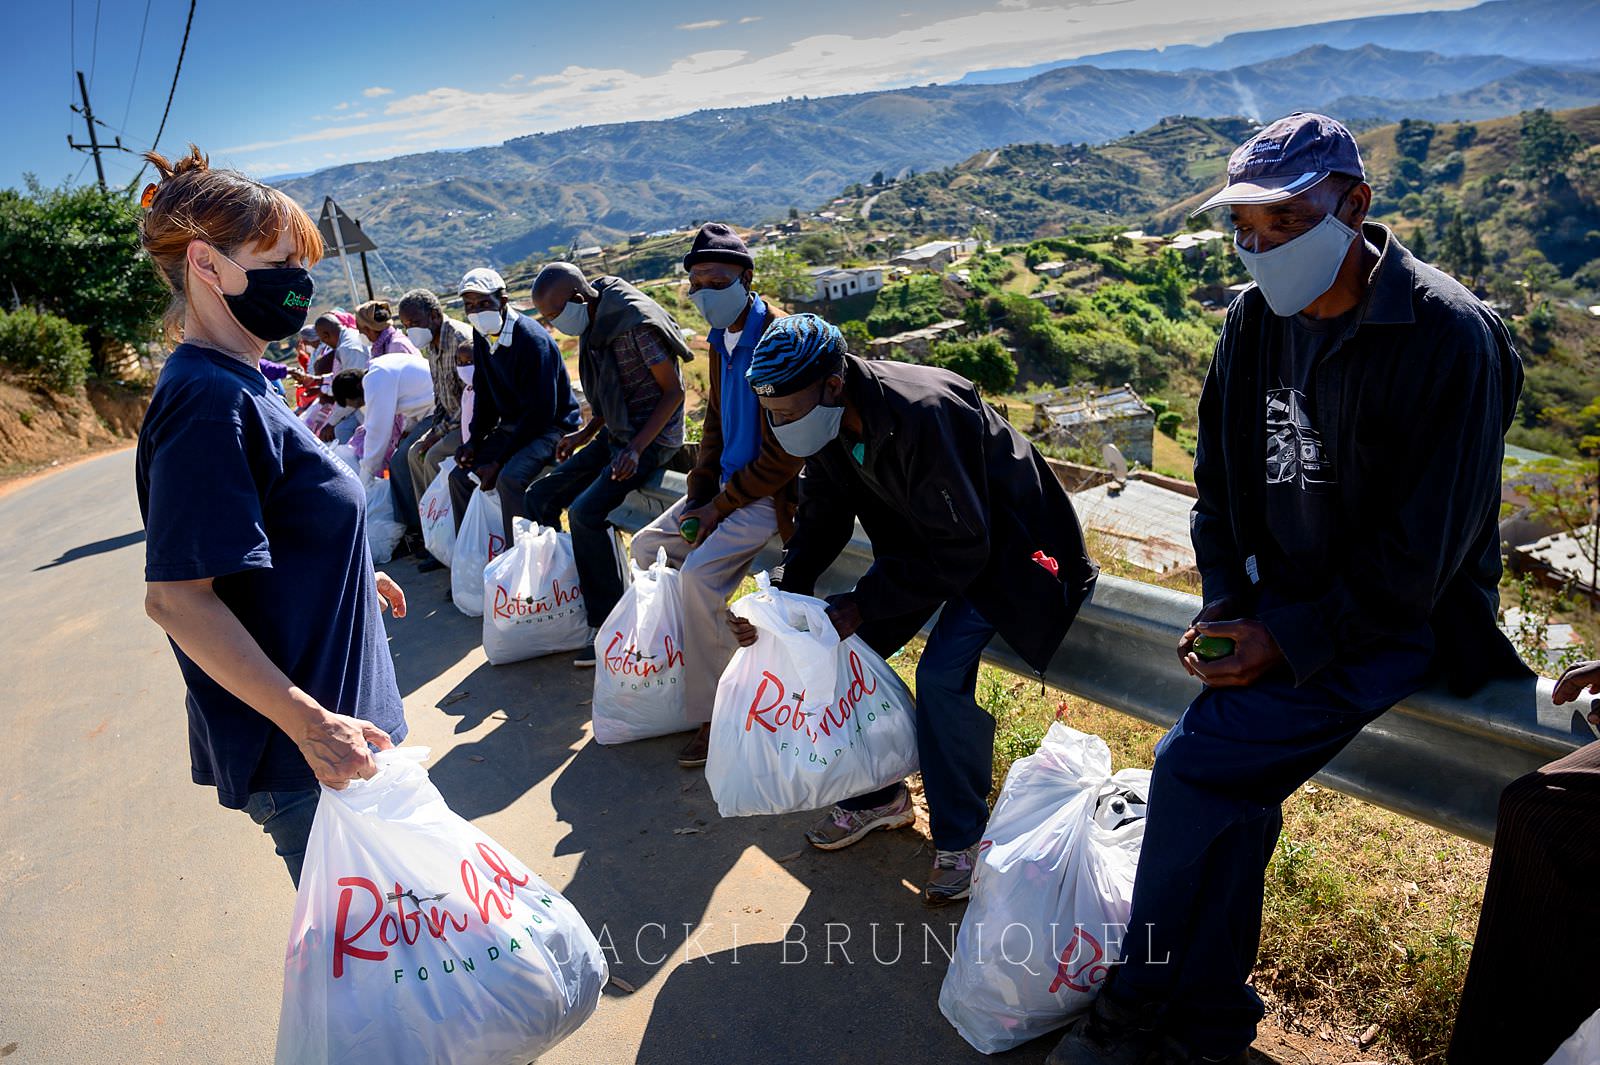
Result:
[[446, 385]]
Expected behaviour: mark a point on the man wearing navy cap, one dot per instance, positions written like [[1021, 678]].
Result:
[[1351, 434], [965, 518]]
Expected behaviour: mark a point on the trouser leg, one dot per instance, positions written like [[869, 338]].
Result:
[[517, 473], [1531, 981], [662, 532], [593, 543], [955, 736], [402, 485], [1220, 776], [286, 816], [425, 461], [711, 573]]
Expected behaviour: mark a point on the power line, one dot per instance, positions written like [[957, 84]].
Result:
[[137, 56], [188, 22], [94, 53]]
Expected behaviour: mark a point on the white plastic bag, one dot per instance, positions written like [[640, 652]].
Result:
[[417, 938], [803, 719], [639, 665], [1584, 1046], [1051, 893], [479, 540], [438, 519], [532, 604], [384, 533]]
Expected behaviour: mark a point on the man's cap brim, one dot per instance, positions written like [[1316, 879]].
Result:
[[1263, 190]]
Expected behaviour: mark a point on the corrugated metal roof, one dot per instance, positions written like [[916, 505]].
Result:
[[1144, 523]]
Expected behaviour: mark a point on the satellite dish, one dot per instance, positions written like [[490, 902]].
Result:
[[1115, 463]]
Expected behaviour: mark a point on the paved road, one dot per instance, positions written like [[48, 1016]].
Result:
[[140, 921]]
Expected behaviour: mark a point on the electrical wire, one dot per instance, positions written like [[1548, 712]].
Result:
[[187, 23], [94, 54], [137, 56]]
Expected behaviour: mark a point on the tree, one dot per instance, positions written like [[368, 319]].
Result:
[[877, 180], [1419, 244], [794, 213], [783, 273], [1547, 145], [985, 362], [857, 337], [74, 253], [1563, 493], [1411, 140]]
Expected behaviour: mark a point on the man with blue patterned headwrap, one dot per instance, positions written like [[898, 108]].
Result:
[[965, 518]]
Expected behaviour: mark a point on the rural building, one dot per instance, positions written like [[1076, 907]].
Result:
[[1076, 417], [1050, 269], [592, 252], [929, 256], [1564, 560], [914, 345], [1192, 246], [834, 282], [1144, 523]]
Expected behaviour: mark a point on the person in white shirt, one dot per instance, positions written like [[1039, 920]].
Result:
[[395, 393], [350, 352]]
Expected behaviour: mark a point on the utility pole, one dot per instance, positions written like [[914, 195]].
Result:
[[94, 142]]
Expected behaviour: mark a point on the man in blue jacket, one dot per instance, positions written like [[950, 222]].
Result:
[[1351, 433], [524, 403]]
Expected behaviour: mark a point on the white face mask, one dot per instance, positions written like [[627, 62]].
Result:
[[806, 436], [465, 373], [420, 338], [573, 319], [488, 323]]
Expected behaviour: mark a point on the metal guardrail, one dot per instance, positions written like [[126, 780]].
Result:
[[1435, 758]]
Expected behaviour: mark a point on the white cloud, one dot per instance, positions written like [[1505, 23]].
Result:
[[376, 91], [708, 24], [344, 106], [1014, 5], [749, 19], [819, 65]]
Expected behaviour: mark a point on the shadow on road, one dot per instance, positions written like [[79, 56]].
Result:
[[99, 547]]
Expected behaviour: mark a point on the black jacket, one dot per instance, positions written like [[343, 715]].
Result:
[[521, 390], [1414, 399], [956, 503]]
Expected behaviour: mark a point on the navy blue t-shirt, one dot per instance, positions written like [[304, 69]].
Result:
[[232, 486]]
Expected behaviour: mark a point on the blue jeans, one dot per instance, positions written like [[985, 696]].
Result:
[[582, 486], [955, 736], [1220, 777], [286, 816], [402, 488]]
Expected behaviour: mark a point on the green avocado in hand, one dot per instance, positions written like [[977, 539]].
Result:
[[690, 529], [1211, 648]]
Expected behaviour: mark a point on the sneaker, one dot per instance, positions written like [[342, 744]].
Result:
[[840, 827], [429, 564], [951, 879], [584, 659], [694, 752], [1113, 1034]]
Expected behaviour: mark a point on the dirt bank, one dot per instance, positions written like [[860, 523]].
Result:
[[40, 428]]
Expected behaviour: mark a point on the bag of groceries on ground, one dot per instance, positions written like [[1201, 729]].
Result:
[[802, 718], [532, 604], [639, 666], [384, 533], [479, 540], [438, 519], [418, 939], [1051, 893]]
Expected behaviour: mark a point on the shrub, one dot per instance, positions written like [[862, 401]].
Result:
[[48, 348], [1168, 421], [984, 362]]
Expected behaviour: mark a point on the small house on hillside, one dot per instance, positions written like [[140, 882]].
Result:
[[1566, 560], [913, 345], [835, 282], [1050, 269], [934, 254], [1076, 417], [1192, 246]]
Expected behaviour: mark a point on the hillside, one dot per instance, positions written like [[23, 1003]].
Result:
[[436, 213], [1548, 31]]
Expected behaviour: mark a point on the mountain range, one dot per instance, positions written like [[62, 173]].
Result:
[[438, 213], [1542, 31]]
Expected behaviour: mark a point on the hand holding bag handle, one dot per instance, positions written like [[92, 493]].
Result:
[[802, 624]]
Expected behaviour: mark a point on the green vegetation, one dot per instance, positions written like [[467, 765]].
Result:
[[45, 347], [985, 362], [74, 252], [912, 303]]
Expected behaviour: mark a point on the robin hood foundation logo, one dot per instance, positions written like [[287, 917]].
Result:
[[382, 927], [517, 609], [629, 665], [773, 709]]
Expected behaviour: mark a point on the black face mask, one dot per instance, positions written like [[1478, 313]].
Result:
[[274, 302]]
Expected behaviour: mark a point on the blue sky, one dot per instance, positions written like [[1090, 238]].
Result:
[[295, 86]]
